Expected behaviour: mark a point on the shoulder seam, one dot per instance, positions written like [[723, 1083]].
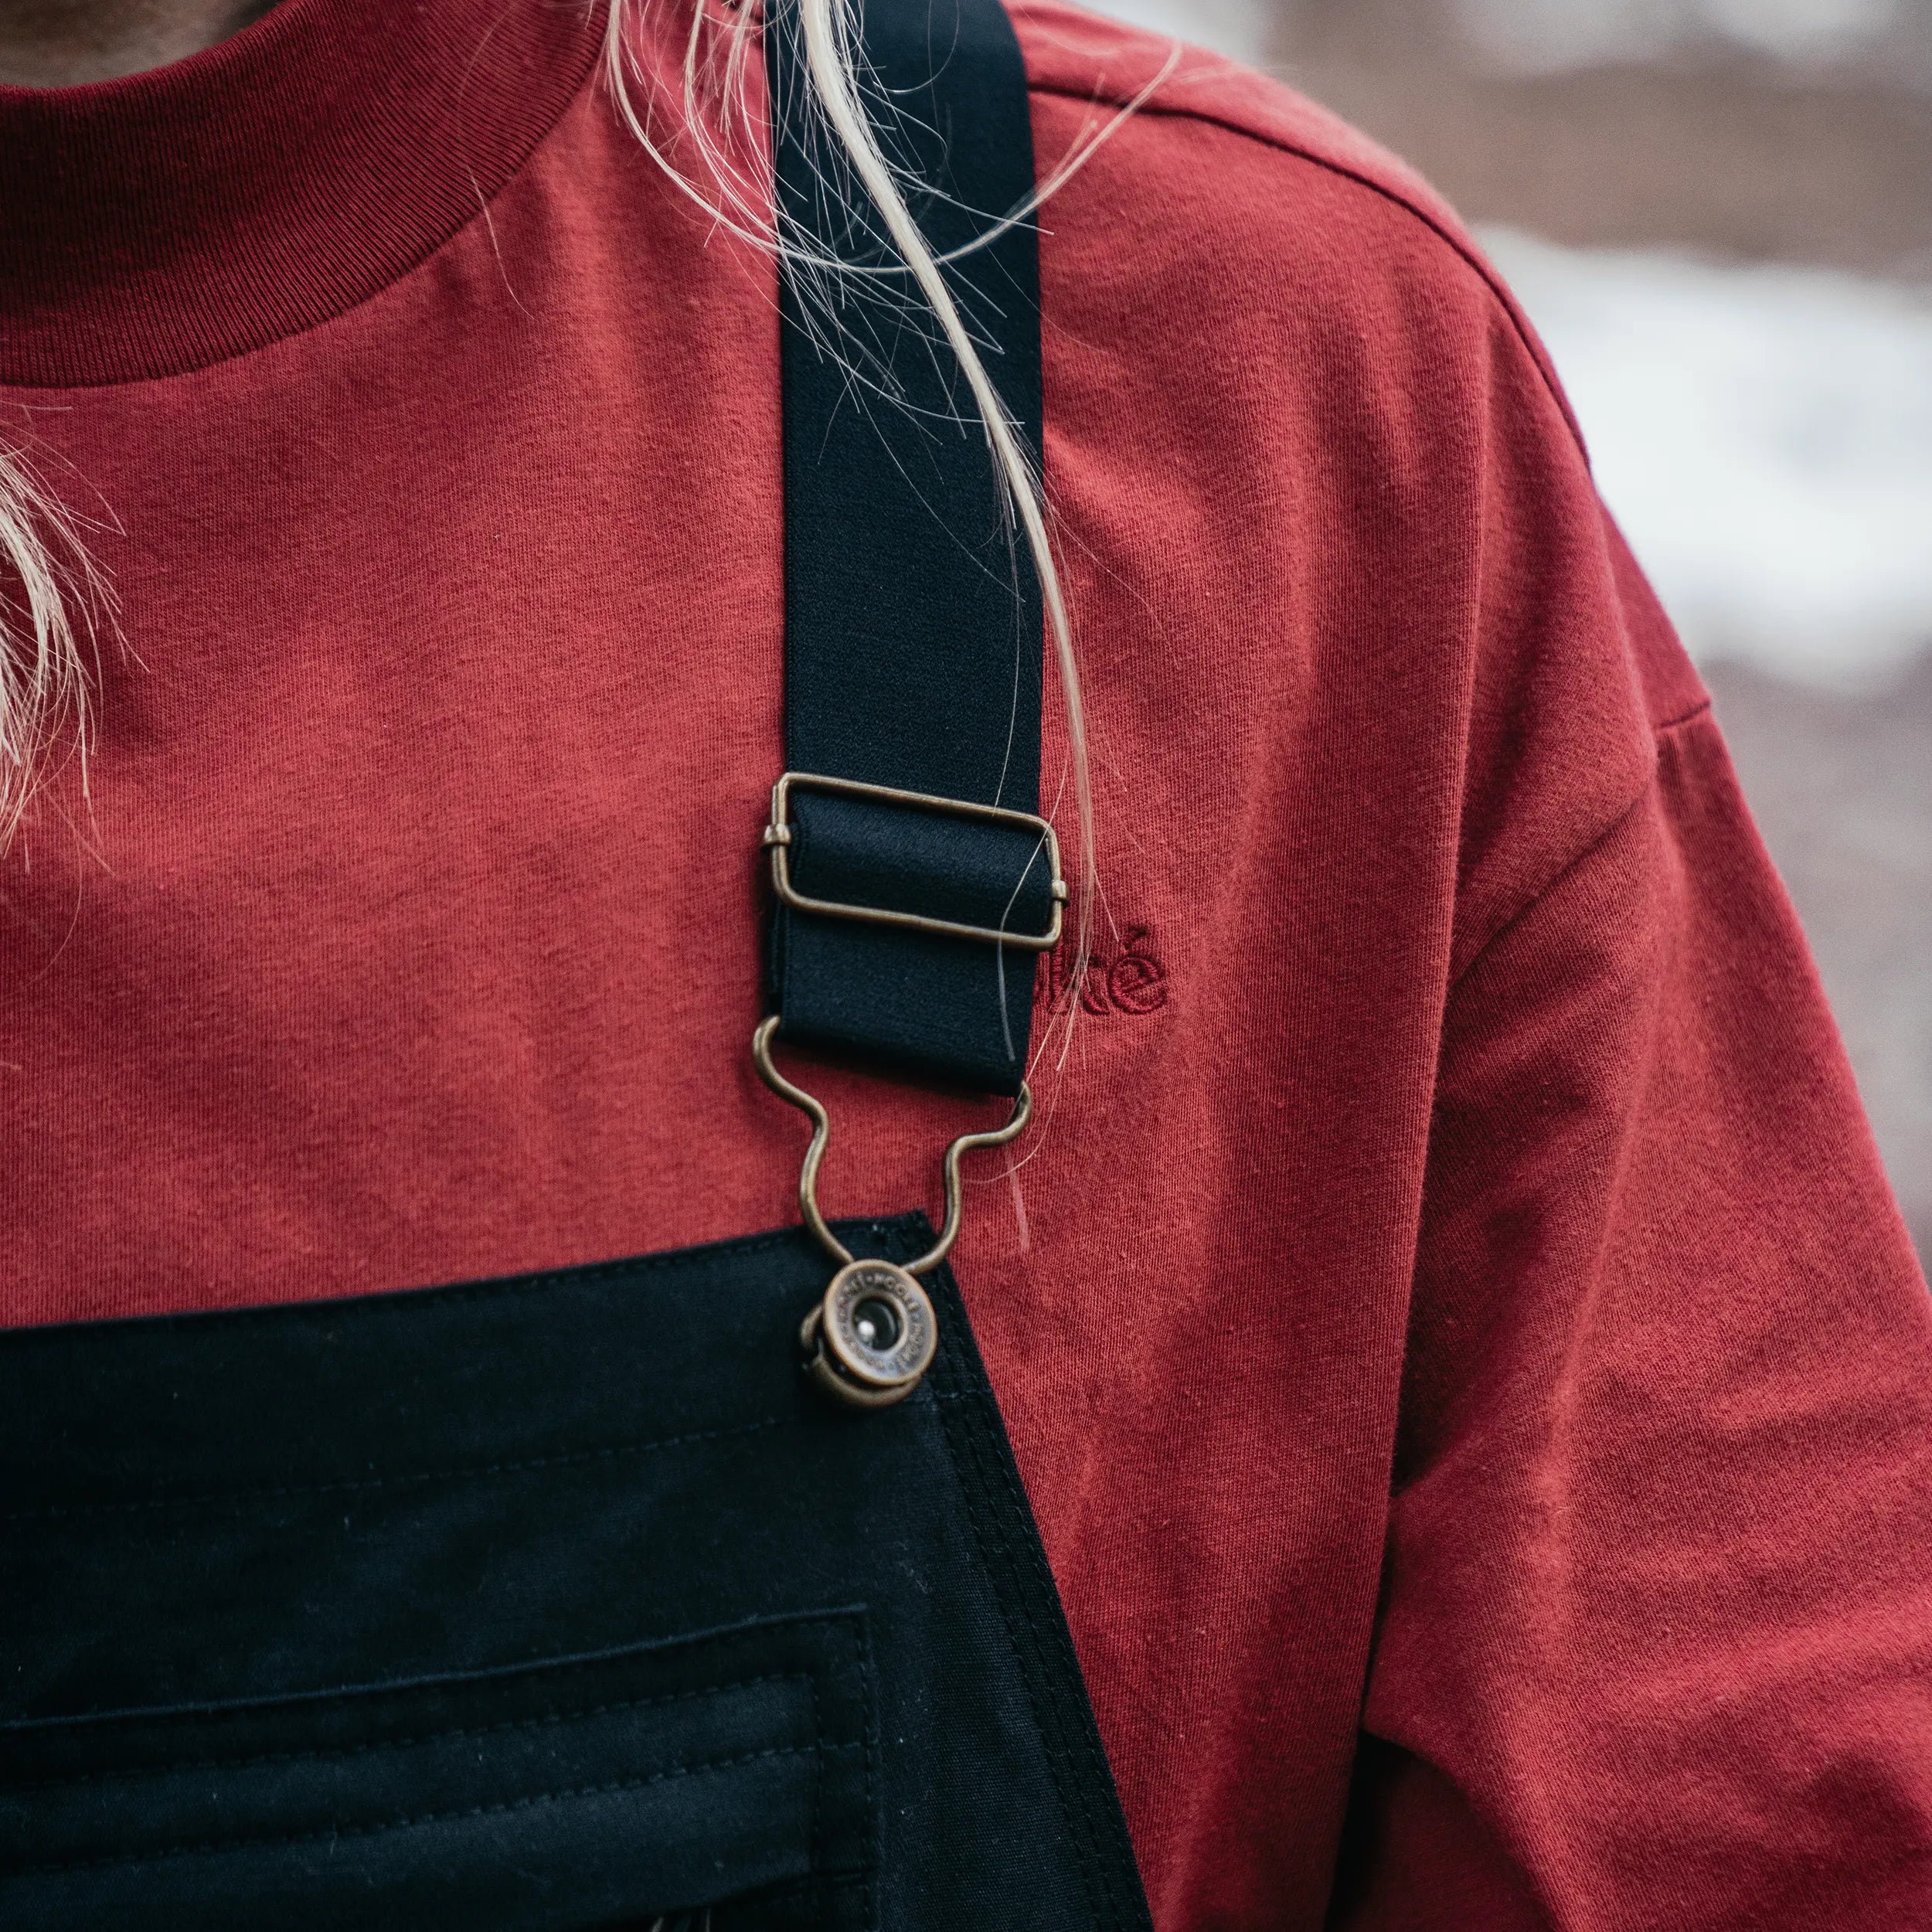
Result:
[[1582, 854], [1700, 709], [1498, 292], [1697, 714]]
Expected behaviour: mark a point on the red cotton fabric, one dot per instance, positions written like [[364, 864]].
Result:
[[1475, 1389]]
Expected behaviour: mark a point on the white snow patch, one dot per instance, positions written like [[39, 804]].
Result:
[[1238, 29], [1764, 437], [1543, 36]]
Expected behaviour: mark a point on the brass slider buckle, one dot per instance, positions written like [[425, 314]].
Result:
[[874, 1334], [778, 837]]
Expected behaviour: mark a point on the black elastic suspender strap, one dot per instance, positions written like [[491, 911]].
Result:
[[912, 621]]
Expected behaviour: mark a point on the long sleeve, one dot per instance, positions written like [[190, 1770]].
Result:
[[1654, 1647]]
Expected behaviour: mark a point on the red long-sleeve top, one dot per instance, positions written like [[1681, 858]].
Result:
[[1474, 1387]]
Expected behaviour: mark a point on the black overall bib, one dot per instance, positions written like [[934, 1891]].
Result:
[[572, 1601]]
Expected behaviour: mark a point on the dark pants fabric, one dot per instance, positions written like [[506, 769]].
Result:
[[563, 1602]]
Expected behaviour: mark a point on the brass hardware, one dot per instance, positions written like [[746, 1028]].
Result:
[[847, 1350], [777, 839], [873, 1337]]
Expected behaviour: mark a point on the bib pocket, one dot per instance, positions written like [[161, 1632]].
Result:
[[728, 1774]]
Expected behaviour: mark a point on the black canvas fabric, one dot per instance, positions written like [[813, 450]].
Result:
[[562, 1602], [913, 622]]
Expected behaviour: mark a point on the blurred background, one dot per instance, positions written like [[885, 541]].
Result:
[[1718, 215]]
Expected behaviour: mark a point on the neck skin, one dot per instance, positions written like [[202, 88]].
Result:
[[62, 43]]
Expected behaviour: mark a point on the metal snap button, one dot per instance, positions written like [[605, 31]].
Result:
[[873, 1336]]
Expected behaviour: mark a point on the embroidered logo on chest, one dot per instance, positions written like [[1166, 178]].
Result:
[[1123, 974]]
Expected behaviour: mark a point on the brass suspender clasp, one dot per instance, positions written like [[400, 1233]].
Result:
[[874, 1334], [778, 838]]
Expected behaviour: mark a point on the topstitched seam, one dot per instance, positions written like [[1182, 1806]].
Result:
[[336, 1754], [1690, 717], [868, 1737], [1498, 290], [197, 1847], [990, 1526], [406, 1300], [189, 1498], [817, 1855], [1697, 712], [681, 1643], [1578, 858], [458, 1472], [1026, 1567]]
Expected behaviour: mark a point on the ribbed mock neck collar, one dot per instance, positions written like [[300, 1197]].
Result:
[[162, 222]]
